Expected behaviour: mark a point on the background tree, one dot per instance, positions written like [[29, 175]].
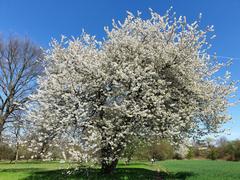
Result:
[[6, 152], [160, 150], [17, 132], [181, 151], [20, 64], [222, 144], [149, 78]]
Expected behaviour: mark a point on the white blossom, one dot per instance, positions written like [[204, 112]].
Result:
[[149, 77]]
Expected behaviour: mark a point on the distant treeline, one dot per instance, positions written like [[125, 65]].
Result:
[[160, 150], [222, 149], [205, 149]]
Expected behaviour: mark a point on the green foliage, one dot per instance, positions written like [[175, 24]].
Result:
[[212, 153], [161, 151], [158, 150], [190, 153]]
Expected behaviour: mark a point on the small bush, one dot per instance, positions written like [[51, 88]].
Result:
[[212, 153], [190, 153]]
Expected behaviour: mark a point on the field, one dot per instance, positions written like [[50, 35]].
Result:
[[171, 169]]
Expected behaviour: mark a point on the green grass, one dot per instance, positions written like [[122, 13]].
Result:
[[171, 169], [23, 170], [204, 169]]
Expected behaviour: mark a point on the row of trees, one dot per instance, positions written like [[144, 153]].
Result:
[[220, 149], [157, 150], [205, 149], [149, 79]]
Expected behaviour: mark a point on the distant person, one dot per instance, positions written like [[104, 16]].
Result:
[[152, 160]]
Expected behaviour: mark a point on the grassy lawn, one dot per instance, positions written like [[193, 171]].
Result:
[[171, 169], [203, 169], [23, 170]]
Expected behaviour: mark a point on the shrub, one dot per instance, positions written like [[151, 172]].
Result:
[[212, 153], [190, 153]]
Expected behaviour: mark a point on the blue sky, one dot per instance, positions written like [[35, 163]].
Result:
[[43, 19]]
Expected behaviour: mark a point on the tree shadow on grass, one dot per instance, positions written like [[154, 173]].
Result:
[[133, 164], [119, 173]]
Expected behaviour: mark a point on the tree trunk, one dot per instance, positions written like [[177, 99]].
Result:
[[107, 153], [108, 168], [1, 131], [16, 155]]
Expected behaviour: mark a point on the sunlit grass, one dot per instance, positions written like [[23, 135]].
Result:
[[170, 169]]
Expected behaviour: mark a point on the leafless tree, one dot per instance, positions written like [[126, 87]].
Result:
[[20, 64], [16, 131]]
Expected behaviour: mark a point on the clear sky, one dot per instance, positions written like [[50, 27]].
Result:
[[41, 20]]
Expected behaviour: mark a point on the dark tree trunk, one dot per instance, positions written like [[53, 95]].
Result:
[[1, 132], [106, 153], [109, 167]]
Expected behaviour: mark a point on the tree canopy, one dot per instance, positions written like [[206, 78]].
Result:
[[148, 78]]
